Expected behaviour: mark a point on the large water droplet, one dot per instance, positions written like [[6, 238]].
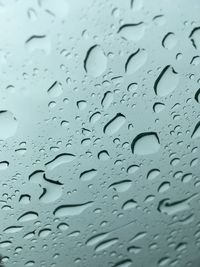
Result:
[[169, 41], [106, 244], [195, 37], [39, 42], [95, 62], [166, 82], [196, 131], [96, 239], [121, 186], [55, 90], [133, 32], [28, 216], [71, 210], [59, 160], [88, 175], [114, 124], [135, 61], [145, 143], [8, 124]]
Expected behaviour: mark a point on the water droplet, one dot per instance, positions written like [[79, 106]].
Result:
[[13, 229], [28, 216], [169, 41], [106, 244], [88, 175], [114, 124], [133, 32], [145, 143], [96, 239], [121, 186], [166, 82], [5, 244], [158, 107], [55, 90], [171, 208], [39, 42], [129, 204], [107, 100], [195, 37], [44, 232], [164, 187], [4, 165], [152, 174], [59, 160], [196, 131], [103, 155], [63, 226], [133, 168], [95, 62], [71, 210], [123, 263], [8, 124], [135, 61]]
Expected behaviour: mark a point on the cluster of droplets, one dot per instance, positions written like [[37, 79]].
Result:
[[100, 134]]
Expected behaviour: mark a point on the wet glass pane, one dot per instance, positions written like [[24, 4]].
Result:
[[99, 133]]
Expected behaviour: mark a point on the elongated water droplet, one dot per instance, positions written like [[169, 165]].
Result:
[[105, 244], [195, 37], [59, 160], [88, 175], [28, 216], [95, 62], [135, 61], [133, 32], [71, 210], [96, 239], [166, 82], [121, 186]]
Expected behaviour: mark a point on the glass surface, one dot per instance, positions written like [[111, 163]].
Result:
[[100, 133]]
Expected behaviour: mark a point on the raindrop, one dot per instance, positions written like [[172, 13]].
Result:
[[135, 61], [8, 124], [145, 143], [114, 124], [95, 62], [71, 210], [133, 32], [166, 82]]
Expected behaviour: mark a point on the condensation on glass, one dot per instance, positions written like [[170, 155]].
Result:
[[99, 133]]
